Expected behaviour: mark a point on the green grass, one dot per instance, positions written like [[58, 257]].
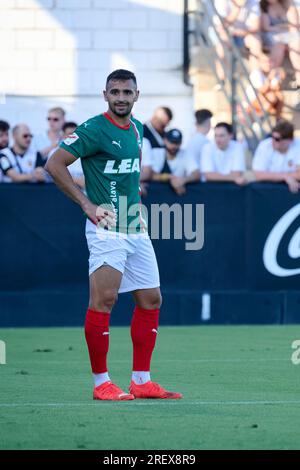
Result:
[[241, 391]]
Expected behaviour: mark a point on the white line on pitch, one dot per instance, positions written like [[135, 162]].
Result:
[[153, 403]]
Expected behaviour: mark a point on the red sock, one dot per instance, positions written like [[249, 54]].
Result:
[[96, 324], [144, 328]]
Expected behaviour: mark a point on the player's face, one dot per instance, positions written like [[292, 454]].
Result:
[[222, 138], [4, 139], [121, 96]]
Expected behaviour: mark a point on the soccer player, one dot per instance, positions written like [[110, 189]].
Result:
[[122, 258]]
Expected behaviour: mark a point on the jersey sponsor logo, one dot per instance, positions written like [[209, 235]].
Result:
[[127, 165], [5, 163], [271, 248], [118, 144], [71, 139]]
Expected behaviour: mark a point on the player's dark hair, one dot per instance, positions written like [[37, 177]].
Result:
[[167, 111], [4, 126], [121, 74], [226, 126], [69, 124], [202, 115], [285, 129]]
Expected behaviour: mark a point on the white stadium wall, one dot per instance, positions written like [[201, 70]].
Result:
[[59, 52]]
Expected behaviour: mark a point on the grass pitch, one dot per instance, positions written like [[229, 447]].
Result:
[[241, 391]]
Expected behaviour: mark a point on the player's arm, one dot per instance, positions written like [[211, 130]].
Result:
[[56, 166]]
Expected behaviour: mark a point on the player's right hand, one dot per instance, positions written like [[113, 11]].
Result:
[[98, 214]]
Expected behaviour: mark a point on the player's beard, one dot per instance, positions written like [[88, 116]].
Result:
[[124, 113]]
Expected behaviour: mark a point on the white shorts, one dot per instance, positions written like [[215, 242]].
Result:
[[132, 255]]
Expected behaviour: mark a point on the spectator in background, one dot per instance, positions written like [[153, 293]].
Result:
[[155, 128], [153, 139], [277, 159], [75, 169], [21, 163], [224, 159], [48, 141], [174, 165], [268, 85], [241, 19], [280, 32], [203, 126], [4, 137]]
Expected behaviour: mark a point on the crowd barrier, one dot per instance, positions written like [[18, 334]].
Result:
[[248, 270]]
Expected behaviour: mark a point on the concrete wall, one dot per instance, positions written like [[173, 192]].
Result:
[[60, 52]]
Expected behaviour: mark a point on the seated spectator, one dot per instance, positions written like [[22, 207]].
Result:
[[241, 19], [280, 32], [203, 126], [277, 159], [4, 137], [268, 84], [224, 159], [75, 168], [173, 164], [21, 163], [48, 141]]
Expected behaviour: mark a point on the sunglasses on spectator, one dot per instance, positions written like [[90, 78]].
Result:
[[277, 139], [53, 119], [27, 136]]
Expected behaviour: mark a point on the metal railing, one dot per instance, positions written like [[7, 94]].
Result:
[[200, 29]]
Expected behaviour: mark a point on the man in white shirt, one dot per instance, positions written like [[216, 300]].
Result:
[[277, 159], [224, 159], [199, 139], [173, 164], [45, 143], [21, 163]]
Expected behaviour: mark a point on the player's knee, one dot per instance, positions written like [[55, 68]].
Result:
[[152, 302], [104, 301]]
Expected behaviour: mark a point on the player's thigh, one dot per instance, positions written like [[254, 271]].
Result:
[[149, 299], [141, 270], [104, 286]]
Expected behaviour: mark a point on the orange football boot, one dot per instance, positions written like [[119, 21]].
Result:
[[152, 390], [110, 391]]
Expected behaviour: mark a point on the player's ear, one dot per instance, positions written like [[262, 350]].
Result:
[[137, 94], [105, 95]]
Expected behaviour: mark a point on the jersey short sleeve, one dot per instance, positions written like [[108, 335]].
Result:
[[5, 164], [84, 142]]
